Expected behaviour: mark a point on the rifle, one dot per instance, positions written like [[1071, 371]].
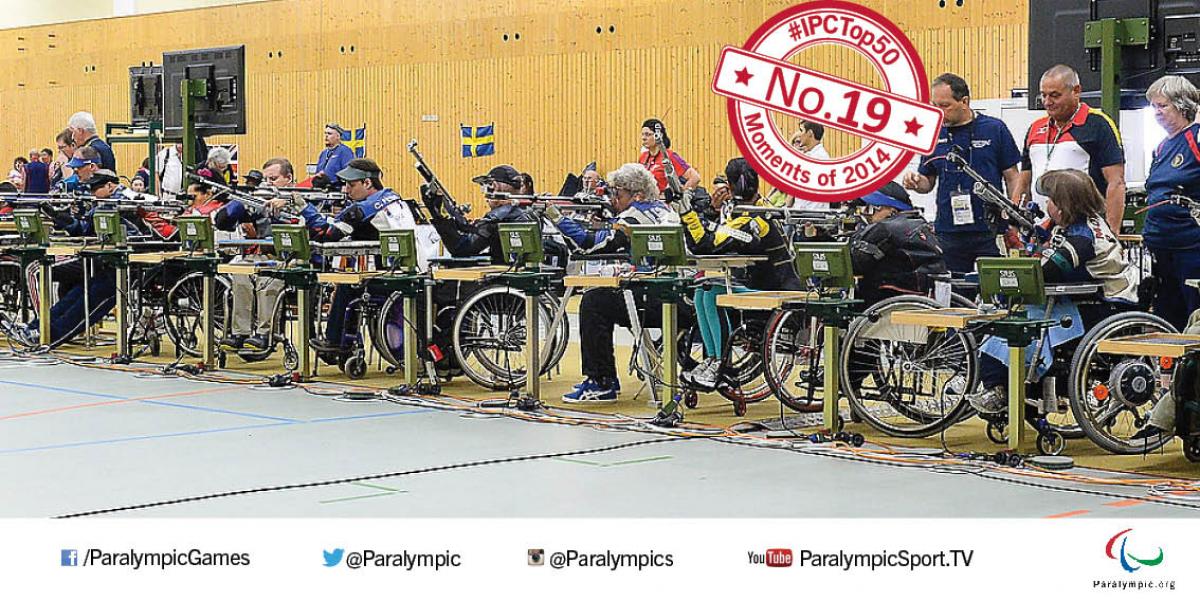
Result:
[[247, 199], [673, 184], [577, 203], [456, 212], [992, 196]]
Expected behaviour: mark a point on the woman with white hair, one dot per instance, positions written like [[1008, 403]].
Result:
[[1171, 233], [82, 126], [217, 166], [635, 199]]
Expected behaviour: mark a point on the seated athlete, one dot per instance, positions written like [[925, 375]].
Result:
[[373, 208], [1077, 247], [636, 201], [897, 251], [741, 234]]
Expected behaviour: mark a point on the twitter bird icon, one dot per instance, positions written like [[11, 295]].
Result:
[[332, 559]]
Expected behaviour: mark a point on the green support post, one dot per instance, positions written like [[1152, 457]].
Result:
[[152, 139], [191, 89], [44, 285], [410, 340], [670, 355], [1109, 35], [831, 391], [1016, 397]]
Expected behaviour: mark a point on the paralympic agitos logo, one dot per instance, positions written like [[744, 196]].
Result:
[[1125, 556]]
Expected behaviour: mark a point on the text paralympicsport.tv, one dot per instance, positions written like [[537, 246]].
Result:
[[132, 559], [903, 559]]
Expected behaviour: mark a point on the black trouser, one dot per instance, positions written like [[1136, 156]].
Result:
[[600, 311]]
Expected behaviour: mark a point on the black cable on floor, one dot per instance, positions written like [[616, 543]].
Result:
[[313, 484]]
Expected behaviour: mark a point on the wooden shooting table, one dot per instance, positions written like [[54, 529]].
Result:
[[1171, 345]]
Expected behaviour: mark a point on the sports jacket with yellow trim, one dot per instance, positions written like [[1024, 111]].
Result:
[[746, 235]]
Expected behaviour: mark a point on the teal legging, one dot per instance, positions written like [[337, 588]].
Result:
[[712, 321]]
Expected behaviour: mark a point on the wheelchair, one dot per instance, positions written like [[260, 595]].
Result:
[[912, 381], [489, 333], [742, 377]]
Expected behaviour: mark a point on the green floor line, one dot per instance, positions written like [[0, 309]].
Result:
[[356, 497], [619, 463], [375, 486]]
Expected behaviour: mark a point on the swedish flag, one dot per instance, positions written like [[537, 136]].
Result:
[[356, 140], [478, 141]]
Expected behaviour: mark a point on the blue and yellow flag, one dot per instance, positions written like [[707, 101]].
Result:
[[478, 141], [357, 141]]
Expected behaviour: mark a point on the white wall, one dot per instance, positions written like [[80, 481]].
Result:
[[48, 12]]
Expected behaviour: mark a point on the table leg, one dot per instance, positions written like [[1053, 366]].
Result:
[[830, 388], [208, 302], [44, 286], [410, 340], [1016, 397], [123, 311], [533, 368], [304, 331], [670, 357]]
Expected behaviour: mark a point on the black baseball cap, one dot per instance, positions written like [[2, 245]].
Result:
[[100, 178], [502, 173]]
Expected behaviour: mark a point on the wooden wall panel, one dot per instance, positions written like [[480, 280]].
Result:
[[560, 96]]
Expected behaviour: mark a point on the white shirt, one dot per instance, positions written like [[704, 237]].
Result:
[[818, 152], [170, 166]]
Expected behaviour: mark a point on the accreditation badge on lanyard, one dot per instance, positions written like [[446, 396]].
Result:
[[960, 207]]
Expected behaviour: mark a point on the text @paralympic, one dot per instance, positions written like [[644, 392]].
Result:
[[902, 559], [403, 560]]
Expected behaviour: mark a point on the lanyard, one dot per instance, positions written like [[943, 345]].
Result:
[[1054, 144]]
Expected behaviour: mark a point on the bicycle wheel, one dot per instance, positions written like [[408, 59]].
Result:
[[792, 363], [1112, 395], [907, 380], [185, 306]]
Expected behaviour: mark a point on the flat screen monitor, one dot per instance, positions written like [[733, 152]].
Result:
[[223, 109]]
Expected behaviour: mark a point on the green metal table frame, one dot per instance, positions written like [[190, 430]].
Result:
[[531, 284], [835, 315], [410, 287], [28, 255], [303, 279], [118, 259], [1018, 332]]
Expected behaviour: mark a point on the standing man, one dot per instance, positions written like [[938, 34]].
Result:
[[335, 157], [83, 131], [962, 224], [806, 140], [1074, 135]]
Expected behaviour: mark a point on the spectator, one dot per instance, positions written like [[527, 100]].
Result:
[[66, 149], [17, 175], [83, 131], [170, 171], [37, 175]]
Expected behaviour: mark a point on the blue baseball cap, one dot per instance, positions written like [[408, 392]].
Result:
[[891, 195], [77, 162]]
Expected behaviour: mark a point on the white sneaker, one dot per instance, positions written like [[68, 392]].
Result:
[[990, 401], [705, 376]]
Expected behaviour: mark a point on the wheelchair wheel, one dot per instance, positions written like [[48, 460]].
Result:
[[791, 351], [749, 384], [11, 291], [1111, 394], [387, 332], [185, 307], [907, 380], [489, 337]]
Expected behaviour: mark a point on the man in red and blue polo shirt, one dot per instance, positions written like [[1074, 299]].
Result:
[[1073, 135]]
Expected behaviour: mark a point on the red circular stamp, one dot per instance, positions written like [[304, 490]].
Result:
[[897, 121]]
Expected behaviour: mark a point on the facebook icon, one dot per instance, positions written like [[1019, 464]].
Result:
[[70, 558]]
